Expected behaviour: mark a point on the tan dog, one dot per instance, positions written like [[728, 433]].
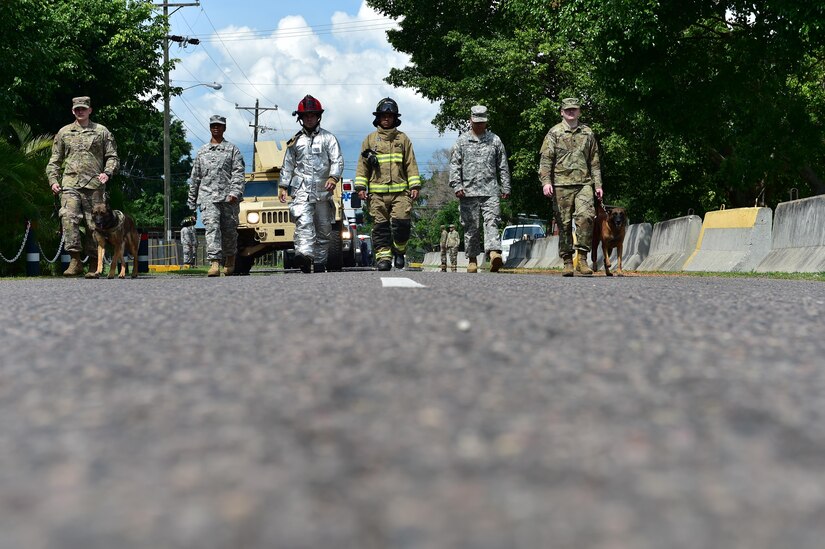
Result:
[[609, 229], [118, 229]]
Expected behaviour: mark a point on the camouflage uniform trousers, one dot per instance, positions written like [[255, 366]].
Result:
[[76, 207], [221, 222], [453, 250], [443, 255], [574, 203], [474, 211], [189, 254]]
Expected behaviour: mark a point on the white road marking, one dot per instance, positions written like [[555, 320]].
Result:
[[398, 282]]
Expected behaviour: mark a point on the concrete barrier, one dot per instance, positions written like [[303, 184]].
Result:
[[636, 248], [732, 241], [544, 254], [519, 253], [798, 244], [672, 244], [432, 261]]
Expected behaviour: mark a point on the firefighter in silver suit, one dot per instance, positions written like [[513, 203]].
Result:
[[313, 165]]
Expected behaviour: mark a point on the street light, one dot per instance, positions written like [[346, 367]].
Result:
[[213, 85], [167, 154]]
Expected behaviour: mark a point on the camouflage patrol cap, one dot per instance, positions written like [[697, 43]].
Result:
[[478, 113], [217, 119], [452, 225], [83, 101], [570, 103], [444, 226]]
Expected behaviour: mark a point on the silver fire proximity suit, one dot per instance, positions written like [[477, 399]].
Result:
[[312, 158]]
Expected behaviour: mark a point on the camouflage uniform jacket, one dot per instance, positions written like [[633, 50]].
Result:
[[452, 239], [216, 174], [188, 236], [397, 169], [570, 157], [478, 165], [443, 242], [81, 154]]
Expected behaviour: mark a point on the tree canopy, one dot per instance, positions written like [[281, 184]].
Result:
[[697, 103], [54, 50]]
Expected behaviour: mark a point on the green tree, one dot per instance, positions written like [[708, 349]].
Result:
[[54, 50], [696, 102], [23, 159]]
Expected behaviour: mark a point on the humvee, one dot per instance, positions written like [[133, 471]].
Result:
[[264, 222]]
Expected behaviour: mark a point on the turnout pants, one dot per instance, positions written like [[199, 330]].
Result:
[[392, 225], [313, 229]]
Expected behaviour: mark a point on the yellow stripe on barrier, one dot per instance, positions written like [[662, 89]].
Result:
[[739, 218]]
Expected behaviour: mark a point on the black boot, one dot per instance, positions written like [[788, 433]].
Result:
[[304, 263], [319, 268], [398, 260], [384, 265]]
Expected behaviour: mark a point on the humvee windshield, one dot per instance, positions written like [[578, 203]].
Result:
[[261, 188]]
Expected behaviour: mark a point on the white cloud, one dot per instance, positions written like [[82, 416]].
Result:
[[343, 65]]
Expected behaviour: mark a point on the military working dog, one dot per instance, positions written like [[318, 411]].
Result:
[[608, 230], [118, 229]]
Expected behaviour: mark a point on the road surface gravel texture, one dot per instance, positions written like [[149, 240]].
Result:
[[480, 411]]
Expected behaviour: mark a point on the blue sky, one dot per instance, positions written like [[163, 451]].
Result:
[[277, 52]]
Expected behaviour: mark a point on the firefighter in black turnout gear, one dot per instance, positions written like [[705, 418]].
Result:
[[387, 176]]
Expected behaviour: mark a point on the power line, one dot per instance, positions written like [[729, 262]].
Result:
[[233, 58], [297, 32]]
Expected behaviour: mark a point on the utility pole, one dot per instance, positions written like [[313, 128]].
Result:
[[167, 163], [256, 110]]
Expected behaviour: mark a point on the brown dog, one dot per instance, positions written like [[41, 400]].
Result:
[[608, 229], [118, 229]]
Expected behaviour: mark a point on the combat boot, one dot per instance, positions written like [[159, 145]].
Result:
[[229, 265], [75, 265], [384, 265], [568, 267], [495, 261], [214, 268], [582, 267], [443, 267], [472, 265]]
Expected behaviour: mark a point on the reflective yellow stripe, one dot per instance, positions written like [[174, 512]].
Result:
[[388, 187], [392, 157], [415, 180], [359, 180]]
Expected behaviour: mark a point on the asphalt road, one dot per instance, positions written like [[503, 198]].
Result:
[[477, 411]]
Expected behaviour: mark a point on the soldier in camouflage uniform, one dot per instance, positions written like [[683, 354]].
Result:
[[453, 241], [189, 240], [478, 165], [84, 158], [217, 185], [442, 244], [569, 170]]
